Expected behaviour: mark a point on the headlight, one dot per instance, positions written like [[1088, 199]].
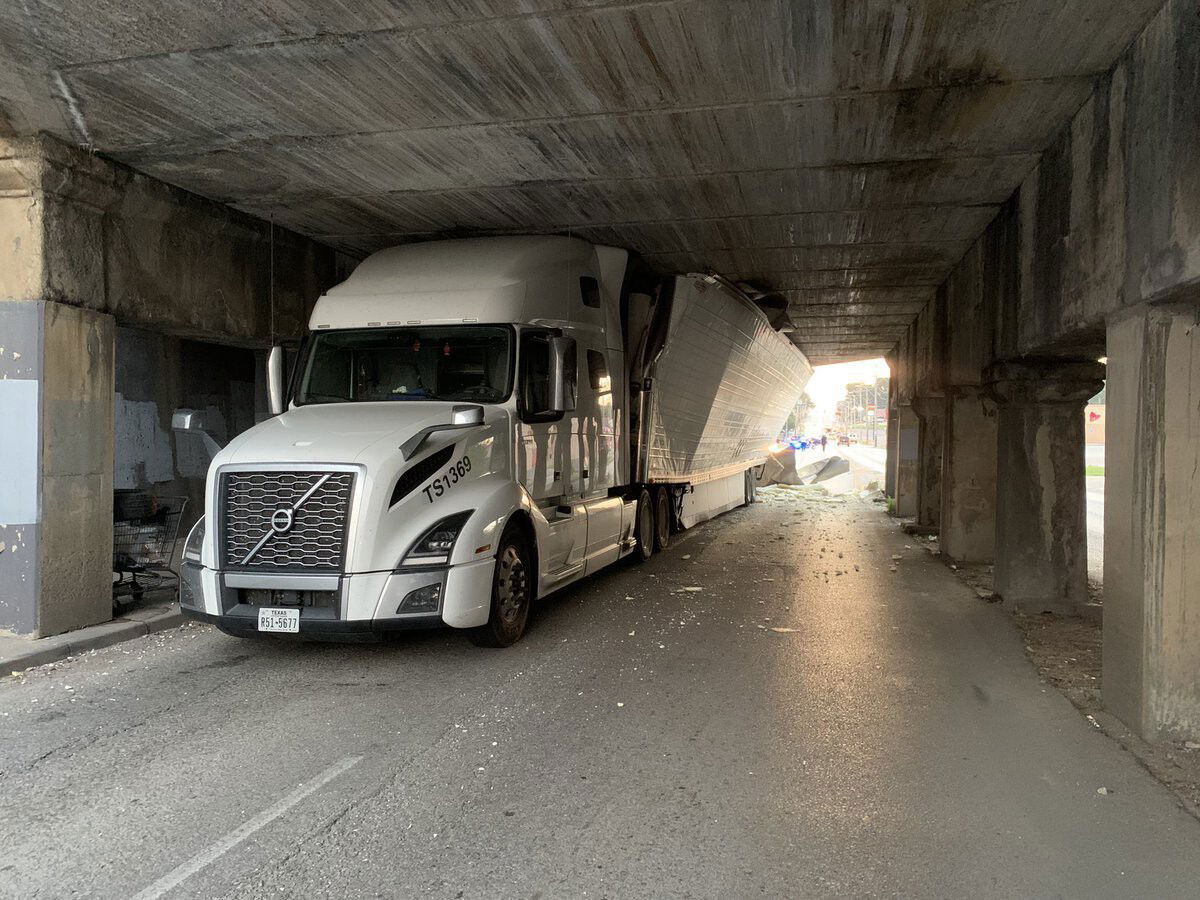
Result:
[[195, 542], [435, 545]]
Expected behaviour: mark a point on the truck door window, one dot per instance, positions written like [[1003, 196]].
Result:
[[589, 290], [534, 394], [598, 372]]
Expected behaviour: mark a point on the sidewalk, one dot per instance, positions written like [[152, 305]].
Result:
[[17, 653]]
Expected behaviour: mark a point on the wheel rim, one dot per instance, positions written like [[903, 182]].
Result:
[[512, 586]]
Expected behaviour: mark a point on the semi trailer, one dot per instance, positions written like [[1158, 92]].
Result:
[[471, 425]]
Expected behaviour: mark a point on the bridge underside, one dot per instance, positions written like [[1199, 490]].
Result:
[[845, 154], [993, 194]]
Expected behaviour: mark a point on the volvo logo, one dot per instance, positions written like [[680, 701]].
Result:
[[281, 520]]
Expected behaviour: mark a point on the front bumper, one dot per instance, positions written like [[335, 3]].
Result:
[[327, 629], [363, 604]]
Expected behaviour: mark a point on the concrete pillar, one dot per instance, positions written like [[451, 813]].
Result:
[[907, 458], [968, 520], [893, 446], [1152, 522], [56, 467], [56, 400], [931, 411], [1041, 521]]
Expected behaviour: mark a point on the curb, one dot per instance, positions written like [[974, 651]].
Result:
[[138, 623]]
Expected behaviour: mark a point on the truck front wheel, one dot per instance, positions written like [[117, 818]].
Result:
[[512, 593]]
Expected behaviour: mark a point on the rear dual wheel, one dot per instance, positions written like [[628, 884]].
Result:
[[643, 528], [662, 518]]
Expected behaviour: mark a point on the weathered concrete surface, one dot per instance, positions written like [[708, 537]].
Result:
[[968, 487], [817, 144], [1041, 522], [907, 461], [56, 535], [1152, 521], [639, 742], [85, 232], [931, 412]]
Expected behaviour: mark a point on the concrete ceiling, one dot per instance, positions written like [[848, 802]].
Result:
[[844, 152]]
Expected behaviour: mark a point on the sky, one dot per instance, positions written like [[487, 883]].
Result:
[[828, 384]]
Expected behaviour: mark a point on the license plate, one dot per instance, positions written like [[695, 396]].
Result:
[[287, 620]]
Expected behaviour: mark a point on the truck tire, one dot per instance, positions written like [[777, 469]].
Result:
[[643, 528], [512, 593], [662, 518]]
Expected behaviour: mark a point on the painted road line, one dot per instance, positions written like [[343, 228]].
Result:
[[176, 877]]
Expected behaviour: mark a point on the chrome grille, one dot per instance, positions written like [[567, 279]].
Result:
[[319, 504]]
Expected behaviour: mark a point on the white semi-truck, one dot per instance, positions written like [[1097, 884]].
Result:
[[471, 425]]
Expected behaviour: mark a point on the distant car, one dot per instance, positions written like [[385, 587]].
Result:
[[843, 440]]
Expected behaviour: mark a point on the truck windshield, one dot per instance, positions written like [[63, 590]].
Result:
[[451, 362]]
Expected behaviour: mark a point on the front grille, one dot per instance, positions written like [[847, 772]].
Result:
[[315, 540]]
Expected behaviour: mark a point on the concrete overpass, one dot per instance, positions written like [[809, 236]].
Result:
[[995, 195]]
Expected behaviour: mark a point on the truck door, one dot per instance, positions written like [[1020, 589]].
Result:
[[545, 448]]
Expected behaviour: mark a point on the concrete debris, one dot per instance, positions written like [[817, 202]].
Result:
[[1191, 745], [779, 630], [897, 556], [1103, 791]]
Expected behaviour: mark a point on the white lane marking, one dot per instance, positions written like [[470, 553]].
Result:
[[173, 879]]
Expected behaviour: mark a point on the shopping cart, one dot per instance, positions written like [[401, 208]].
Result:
[[145, 529]]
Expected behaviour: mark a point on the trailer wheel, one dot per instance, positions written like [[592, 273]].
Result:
[[643, 528], [751, 487], [512, 594], [662, 519]]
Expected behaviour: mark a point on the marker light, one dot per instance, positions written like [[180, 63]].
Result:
[[194, 542]]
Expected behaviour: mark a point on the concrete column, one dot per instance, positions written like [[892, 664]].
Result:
[[1152, 522], [968, 521], [931, 411], [1041, 521], [56, 467], [893, 446], [907, 459]]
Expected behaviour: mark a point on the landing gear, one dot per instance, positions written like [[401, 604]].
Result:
[[512, 593], [751, 487]]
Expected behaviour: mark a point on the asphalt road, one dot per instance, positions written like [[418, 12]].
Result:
[[643, 741]]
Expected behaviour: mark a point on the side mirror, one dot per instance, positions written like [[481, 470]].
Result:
[[275, 379], [465, 416], [191, 421], [562, 374]]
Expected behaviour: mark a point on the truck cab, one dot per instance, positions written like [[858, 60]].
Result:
[[451, 445]]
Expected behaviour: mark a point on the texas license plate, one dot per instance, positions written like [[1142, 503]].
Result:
[[287, 620]]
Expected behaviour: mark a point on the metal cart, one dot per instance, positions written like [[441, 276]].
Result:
[[145, 530]]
